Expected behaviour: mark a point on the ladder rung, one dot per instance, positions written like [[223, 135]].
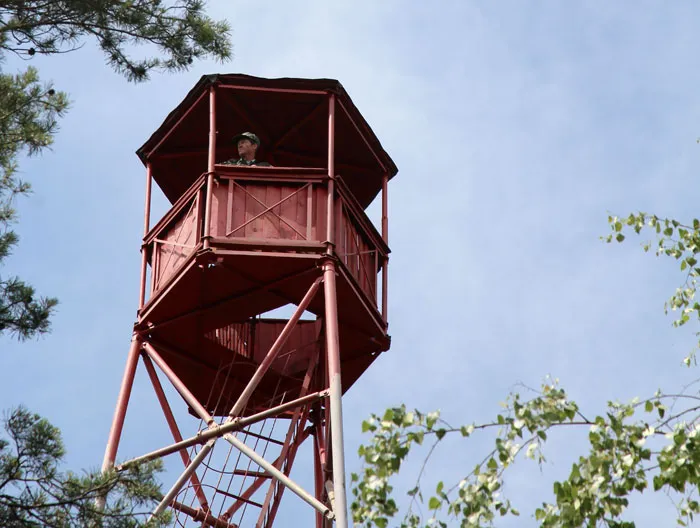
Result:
[[254, 474], [256, 435], [237, 497]]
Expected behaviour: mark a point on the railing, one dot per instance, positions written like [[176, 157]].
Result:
[[176, 236], [275, 206], [271, 209], [358, 245]]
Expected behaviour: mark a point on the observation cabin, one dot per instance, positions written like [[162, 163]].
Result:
[[241, 241]]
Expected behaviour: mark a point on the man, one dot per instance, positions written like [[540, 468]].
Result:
[[247, 144]]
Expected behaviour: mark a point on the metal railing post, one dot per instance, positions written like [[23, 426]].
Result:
[[210, 167]]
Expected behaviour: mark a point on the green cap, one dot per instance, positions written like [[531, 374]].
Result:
[[246, 135]]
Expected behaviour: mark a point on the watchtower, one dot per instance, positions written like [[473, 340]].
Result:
[[241, 241]]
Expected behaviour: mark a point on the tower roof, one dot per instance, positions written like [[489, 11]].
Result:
[[290, 115]]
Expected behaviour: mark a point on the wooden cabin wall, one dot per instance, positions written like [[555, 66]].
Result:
[[236, 203], [178, 242]]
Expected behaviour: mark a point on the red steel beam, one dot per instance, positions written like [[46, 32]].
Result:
[[235, 297], [336, 392], [255, 486], [219, 430], [174, 429], [122, 404], [298, 418], [291, 455], [201, 516], [278, 90], [274, 350], [146, 227], [177, 124], [385, 236], [190, 398], [330, 213], [362, 135], [318, 480], [211, 161]]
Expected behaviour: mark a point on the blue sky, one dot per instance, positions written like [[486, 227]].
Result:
[[517, 128]]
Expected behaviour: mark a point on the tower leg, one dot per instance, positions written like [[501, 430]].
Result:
[[115, 432], [336, 392], [318, 479]]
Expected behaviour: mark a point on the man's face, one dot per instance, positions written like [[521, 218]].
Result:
[[246, 149]]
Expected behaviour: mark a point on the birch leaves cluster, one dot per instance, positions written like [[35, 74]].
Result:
[[647, 445]]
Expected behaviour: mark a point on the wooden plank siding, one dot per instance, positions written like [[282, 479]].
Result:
[[286, 214], [356, 251], [175, 243], [268, 210], [253, 341]]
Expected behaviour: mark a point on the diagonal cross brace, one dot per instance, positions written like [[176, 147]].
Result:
[[269, 209]]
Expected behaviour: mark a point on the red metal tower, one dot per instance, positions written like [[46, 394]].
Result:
[[241, 241]]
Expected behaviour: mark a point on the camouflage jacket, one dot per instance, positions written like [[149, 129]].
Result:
[[241, 161]]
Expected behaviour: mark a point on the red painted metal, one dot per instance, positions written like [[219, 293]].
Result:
[[238, 407], [184, 391], [210, 165], [364, 137], [274, 106], [272, 90], [144, 273], [330, 218], [201, 516], [122, 404], [385, 236], [318, 479], [174, 429], [216, 431], [146, 224], [385, 208], [229, 251], [175, 126], [147, 206], [298, 420], [336, 391]]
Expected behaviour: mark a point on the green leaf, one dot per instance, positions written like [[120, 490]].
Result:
[[388, 415], [434, 503], [466, 430]]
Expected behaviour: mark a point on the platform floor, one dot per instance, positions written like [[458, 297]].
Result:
[[193, 321]]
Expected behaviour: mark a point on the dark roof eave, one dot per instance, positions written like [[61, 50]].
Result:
[[192, 96], [327, 85]]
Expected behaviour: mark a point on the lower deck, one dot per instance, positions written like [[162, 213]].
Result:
[[206, 322]]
